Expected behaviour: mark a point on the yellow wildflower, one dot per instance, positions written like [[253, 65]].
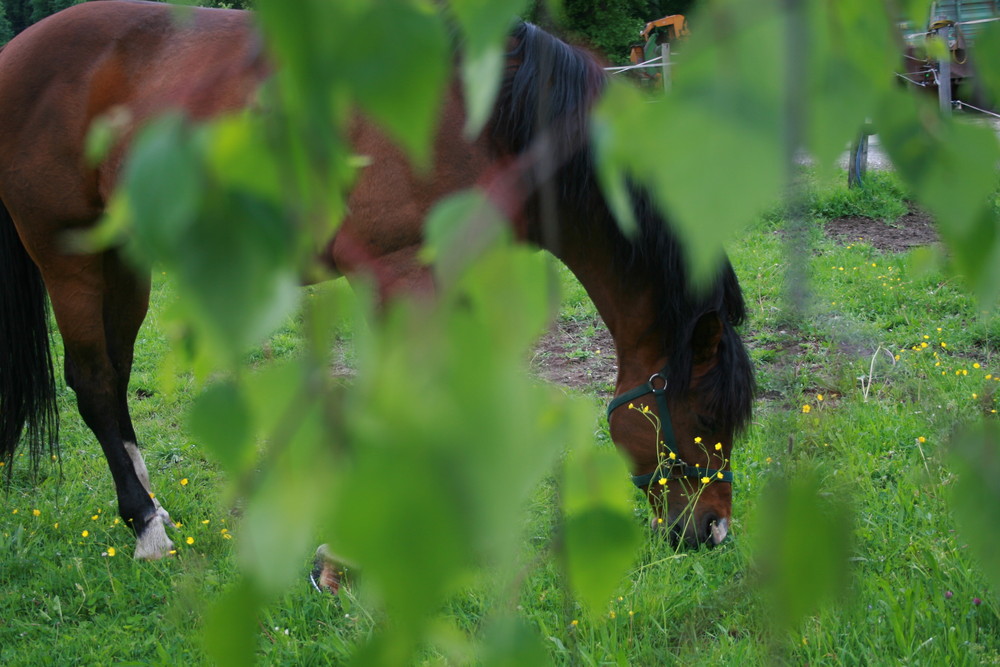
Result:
[[718, 446], [36, 512], [184, 482], [85, 533], [112, 552], [663, 481], [705, 480], [190, 540], [806, 409]]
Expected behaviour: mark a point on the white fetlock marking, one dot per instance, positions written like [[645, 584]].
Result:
[[138, 463], [153, 543], [143, 474]]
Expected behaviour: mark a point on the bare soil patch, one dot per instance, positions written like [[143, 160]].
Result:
[[580, 355], [916, 228]]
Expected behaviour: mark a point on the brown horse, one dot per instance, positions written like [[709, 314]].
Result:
[[678, 353]]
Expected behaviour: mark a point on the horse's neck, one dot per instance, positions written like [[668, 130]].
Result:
[[626, 302]]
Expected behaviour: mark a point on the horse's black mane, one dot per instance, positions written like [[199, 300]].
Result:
[[545, 99]]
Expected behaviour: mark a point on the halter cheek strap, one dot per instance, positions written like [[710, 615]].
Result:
[[670, 466]]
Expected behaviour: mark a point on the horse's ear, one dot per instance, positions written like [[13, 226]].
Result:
[[706, 337]]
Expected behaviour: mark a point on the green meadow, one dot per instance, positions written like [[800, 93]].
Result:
[[868, 362]]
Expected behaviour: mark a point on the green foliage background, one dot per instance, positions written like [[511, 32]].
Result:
[[6, 30]]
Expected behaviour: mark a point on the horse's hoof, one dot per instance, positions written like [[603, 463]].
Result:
[[329, 571], [153, 543]]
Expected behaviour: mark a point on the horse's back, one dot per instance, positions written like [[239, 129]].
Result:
[[140, 58]]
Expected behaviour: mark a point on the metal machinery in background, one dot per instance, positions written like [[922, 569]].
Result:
[[650, 55], [957, 23]]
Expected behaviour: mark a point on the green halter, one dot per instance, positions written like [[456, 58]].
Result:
[[668, 468]]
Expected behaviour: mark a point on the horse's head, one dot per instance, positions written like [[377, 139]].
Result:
[[678, 423], [685, 384]]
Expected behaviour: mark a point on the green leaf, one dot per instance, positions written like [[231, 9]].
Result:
[[484, 25], [511, 642], [221, 421], [164, 153], [975, 496], [458, 231], [601, 536], [950, 167], [803, 541], [601, 546], [712, 153], [231, 626]]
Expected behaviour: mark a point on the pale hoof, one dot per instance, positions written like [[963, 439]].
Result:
[[329, 571], [153, 543]]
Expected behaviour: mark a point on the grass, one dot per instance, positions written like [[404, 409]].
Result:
[[900, 356]]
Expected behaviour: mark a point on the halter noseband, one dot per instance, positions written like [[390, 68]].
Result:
[[672, 466]]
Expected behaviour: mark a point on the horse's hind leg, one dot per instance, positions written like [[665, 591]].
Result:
[[99, 307], [126, 301]]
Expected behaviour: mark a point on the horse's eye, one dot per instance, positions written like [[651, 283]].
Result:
[[708, 424]]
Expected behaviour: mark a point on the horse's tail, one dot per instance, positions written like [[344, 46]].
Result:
[[27, 380]]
